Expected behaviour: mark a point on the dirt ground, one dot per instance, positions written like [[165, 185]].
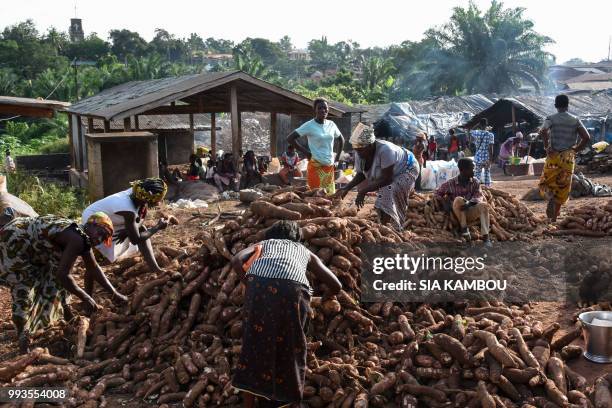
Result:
[[192, 220]]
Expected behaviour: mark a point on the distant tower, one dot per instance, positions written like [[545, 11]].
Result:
[[76, 30]]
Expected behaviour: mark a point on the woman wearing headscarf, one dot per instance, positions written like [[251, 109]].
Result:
[[324, 138], [389, 169], [276, 306], [36, 257], [127, 209]]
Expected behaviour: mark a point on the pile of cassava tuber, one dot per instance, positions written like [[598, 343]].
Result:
[[179, 337], [511, 220], [589, 220]]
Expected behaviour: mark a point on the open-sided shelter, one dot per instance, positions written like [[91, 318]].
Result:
[[208, 93], [507, 111]]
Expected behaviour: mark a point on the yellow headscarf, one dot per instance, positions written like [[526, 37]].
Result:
[[105, 222], [151, 190]]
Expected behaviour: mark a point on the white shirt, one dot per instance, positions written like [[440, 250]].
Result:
[[111, 205]]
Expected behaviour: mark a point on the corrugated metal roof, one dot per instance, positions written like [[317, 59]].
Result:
[[32, 102], [137, 97], [606, 76], [593, 104]]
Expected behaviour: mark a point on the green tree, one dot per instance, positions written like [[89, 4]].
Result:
[[285, 44], [377, 73], [168, 45], [91, 48], [323, 54], [145, 67], [22, 49], [253, 65], [126, 42], [494, 52], [9, 82], [219, 46], [57, 39], [266, 50]]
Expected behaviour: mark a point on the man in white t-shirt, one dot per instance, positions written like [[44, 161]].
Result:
[[325, 143]]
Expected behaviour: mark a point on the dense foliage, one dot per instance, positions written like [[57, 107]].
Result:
[[496, 50]]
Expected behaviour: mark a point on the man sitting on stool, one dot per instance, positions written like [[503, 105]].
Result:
[[462, 195]]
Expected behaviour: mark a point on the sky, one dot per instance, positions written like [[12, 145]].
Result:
[[580, 29]]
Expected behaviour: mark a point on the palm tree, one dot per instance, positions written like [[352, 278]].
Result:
[[496, 51], [253, 65], [377, 72], [143, 68], [8, 82]]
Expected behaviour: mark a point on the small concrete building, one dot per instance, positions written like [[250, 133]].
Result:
[[116, 159]]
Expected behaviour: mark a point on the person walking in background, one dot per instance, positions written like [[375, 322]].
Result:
[[483, 143], [453, 145], [9, 163], [324, 138], [420, 147], [432, 149], [509, 149], [560, 133]]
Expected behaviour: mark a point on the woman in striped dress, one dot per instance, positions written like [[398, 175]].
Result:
[[277, 301]]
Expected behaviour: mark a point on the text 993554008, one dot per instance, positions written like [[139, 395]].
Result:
[[38, 394]]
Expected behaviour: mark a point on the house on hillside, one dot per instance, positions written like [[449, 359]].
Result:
[[298, 55]]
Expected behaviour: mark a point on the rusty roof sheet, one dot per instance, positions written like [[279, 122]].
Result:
[[137, 97]]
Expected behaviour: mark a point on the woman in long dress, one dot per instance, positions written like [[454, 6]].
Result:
[[386, 168]]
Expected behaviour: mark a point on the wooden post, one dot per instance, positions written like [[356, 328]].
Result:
[[95, 177], [213, 134], [235, 117], [81, 144], [127, 124], [273, 131], [513, 121], [136, 123], [90, 125], [107, 126], [192, 131], [71, 142], [152, 168]]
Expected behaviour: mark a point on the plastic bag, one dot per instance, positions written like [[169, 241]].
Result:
[[428, 178], [274, 166]]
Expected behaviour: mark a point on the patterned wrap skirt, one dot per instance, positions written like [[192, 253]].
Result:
[[556, 178], [28, 263], [273, 357], [321, 176], [392, 199]]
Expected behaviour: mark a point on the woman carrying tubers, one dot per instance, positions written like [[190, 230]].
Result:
[[36, 257], [277, 300], [128, 209], [389, 169]]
